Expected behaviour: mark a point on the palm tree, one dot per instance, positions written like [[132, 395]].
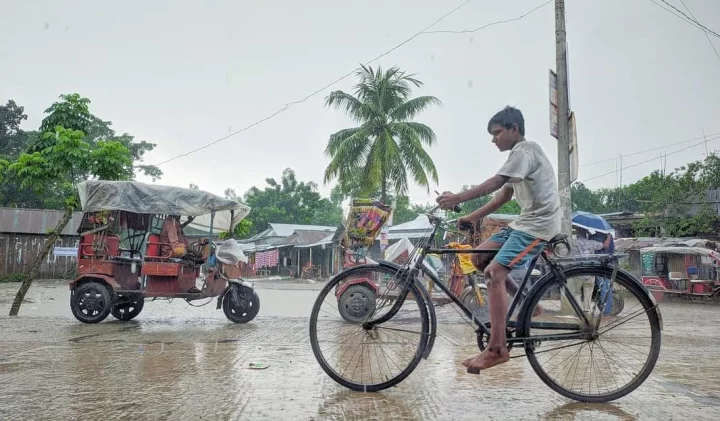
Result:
[[386, 146]]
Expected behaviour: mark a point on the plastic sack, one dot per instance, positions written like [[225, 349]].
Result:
[[231, 252]]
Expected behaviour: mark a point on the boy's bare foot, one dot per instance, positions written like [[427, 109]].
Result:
[[490, 357]]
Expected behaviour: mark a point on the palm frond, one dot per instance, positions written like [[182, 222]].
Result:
[[395, 171], [424, 133], [409, 109], [339, 138], [416, 158], [356, 109], [418, 161], [347, 151]]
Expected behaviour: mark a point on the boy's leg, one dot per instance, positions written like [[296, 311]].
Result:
[[496, 352], [482, 260], [517, 249]]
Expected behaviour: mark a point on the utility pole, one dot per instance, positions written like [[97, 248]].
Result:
[[620, 187], [563, 113]]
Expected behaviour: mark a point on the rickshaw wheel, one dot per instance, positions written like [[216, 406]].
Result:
[[356, 302], [91, 302], [128, 310], [244, 307]]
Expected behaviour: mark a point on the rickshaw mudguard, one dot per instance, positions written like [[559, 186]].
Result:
[[428, 304], [107, 279], [227, 288]]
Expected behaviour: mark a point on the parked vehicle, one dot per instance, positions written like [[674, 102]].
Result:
[[357, 296], [680, 272], [122, 259]]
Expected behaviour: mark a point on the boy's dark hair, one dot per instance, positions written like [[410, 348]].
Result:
[[507, 117]]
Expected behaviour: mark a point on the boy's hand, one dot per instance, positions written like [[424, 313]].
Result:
[[447, 200], [464, 223]]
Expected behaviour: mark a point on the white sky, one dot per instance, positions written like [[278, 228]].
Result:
[[183, 74]]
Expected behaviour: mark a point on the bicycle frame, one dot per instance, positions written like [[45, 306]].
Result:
[[583, 331]]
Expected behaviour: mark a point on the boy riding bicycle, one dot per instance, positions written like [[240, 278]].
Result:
[[528, 176]]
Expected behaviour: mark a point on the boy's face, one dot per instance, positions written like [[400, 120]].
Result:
[[504, 138]]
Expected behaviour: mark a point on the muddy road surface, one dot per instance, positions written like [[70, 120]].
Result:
[[176, 362]]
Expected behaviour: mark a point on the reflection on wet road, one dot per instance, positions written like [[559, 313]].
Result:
[[177, 362]]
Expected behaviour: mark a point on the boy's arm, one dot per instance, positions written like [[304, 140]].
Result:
[[489, 186], [496, 203]]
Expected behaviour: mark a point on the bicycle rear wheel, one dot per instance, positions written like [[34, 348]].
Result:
[[620, 350], [362, 358]]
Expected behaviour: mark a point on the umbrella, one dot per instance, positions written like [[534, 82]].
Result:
[[591, 222]]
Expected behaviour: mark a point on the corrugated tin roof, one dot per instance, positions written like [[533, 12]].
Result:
[[303, 238], [36, 221], [637, 243], [286, 230], [324, 241]]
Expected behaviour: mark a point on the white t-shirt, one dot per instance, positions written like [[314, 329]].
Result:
[[532, 179]]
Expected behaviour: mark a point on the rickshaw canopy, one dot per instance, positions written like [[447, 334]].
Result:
[[153, 199], [698, 251]]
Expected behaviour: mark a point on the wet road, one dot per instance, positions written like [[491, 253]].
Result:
[[176, 362]]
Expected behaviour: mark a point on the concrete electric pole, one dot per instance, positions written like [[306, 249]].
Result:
[[563, 114]]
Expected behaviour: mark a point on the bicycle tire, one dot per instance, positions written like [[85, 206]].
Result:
[[637, 291], [414, 288]]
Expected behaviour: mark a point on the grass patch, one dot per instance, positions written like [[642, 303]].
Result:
[[15, 277]]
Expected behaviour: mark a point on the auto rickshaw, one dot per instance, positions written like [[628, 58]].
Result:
[[122, 260], [356, 297]]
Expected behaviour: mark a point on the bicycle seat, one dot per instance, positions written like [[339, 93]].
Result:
[[558, 238]]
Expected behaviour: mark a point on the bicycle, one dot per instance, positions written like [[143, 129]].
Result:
[[580, 330]]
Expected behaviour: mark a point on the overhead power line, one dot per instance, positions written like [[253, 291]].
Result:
[[706, 35], [717, 136], [345, 76], [685, 18], [471, 31], [646, 161]]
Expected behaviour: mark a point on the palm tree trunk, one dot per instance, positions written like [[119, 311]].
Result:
[[35, 268]]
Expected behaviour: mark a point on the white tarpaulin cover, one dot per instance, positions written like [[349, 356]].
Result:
[[231, 252], [394, 251], [136, 197]]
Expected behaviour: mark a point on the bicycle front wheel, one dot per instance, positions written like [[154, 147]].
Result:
[[360, 357], [620, 343]]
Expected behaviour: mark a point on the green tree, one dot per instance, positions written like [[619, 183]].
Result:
[[242, 230], [288, 201], [674, 201], [386, 148], [101, 130], [54, 168], [70, 112], [13, 140]]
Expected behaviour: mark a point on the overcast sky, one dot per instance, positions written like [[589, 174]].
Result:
[[185, 73]]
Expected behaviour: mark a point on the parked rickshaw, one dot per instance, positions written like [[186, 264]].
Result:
[[356, 297], [680, 272], [122, 260]]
